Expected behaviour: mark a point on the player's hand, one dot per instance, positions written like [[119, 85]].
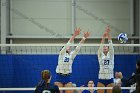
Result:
[[86, 34], [105, 34], [77, 31], [108, 30], [120, 75]]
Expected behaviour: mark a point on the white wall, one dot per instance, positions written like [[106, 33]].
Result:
[[55, 15], [95, 15]]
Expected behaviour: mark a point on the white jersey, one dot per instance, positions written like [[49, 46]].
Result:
[[117, 81], [106, 62], [134, 85], [65, 60], [132, 90]]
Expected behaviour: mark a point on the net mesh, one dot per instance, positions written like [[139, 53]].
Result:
[[55, 48]]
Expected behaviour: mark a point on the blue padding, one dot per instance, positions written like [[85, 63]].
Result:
[[85, 68], [28, 67], [6, 71], [24, 70]]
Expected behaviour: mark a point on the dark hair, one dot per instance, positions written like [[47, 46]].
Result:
[[117, 89], [138, 64], [45, 75]]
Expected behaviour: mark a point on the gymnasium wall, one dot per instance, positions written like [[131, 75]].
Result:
[[44, 18], [24, 70]]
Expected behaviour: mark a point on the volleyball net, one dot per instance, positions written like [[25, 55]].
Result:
[[55, 48], [5, 90], [21, 65]]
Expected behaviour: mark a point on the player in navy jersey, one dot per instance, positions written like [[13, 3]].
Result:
[[65, 61], [106, 63], [45, 85], [133, 79]]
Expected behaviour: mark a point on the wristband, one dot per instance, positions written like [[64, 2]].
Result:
[[84, 38], [110, 41]]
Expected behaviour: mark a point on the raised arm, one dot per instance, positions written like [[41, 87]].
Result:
[[108, 30], [103, 38], [76, 33], [86, 34], [75, 52], [100, 50], [111, 49]]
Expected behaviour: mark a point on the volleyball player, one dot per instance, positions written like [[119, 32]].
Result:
[[133, 79], [106, 63], [65, 61], [45, 84]]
